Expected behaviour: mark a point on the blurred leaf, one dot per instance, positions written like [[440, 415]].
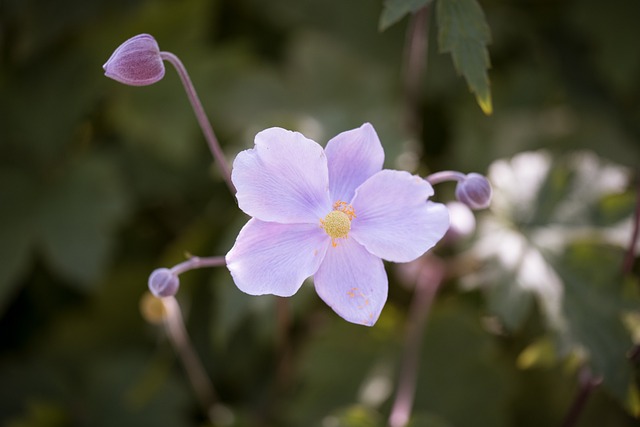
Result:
[[459, 364], [420, 419], [593, 308], [540, 353], [42, 414], [355, 416], [72, 218], [77, 216], [543, 241], [606, 27], [344, 354], [463, 32], [395, 10], [18, 201]]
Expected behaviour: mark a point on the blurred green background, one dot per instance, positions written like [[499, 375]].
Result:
[[101, 183]]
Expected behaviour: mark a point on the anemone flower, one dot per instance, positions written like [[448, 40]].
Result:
[[333, 214]]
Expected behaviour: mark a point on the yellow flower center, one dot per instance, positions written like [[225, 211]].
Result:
[[337, 223]]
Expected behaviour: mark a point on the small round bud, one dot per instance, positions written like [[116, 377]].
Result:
[[163, 283], [474, 191], [136, 62]]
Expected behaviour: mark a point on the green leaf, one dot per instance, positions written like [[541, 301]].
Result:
[[77, 218], [459, 363], [395, 10], [18, 199], [593, 307], [557, 234], [463, 31], [356, 416]]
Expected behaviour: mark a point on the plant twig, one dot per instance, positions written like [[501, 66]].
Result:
[[427, 284], [203, 121], [588, 382], [415, 60], [195, 262], [177, 333]]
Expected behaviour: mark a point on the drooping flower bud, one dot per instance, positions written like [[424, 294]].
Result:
[[474, 191], [136, 62], [163, 283]]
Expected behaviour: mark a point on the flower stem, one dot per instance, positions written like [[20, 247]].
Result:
[[588, 383], [427, 285], [207, 130], [177, 333], [444, 176], [415, 60], [195, 262]]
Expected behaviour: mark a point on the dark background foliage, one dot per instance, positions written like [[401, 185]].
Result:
[[101, 183]]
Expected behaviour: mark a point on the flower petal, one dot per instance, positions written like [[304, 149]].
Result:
[[352, 282], [394, 220], [353, 156], [272, 258], [283, 179]]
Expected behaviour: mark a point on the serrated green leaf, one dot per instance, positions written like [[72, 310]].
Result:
[[592, 305], [463, 31], [395, 10]]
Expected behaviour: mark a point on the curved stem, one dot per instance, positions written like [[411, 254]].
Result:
[[427, 285], [177, 333], [203, 121], [444, 176], [195, 262]]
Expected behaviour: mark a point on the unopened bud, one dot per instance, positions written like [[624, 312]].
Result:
[[163, 283], [136, 62], [474, 191]]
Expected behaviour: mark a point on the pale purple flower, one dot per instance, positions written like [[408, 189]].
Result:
[[136, 62], [333, 214]]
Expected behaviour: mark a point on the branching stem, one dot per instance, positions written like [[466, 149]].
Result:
[[194, 262]]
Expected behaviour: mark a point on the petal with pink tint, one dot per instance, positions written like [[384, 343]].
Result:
[[283, 179], [352, 282], [272, 258], [353, 156], [394, 220]]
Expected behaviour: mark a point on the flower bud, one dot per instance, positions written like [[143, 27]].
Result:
[[136, 62], [474, 191], [163, 283]]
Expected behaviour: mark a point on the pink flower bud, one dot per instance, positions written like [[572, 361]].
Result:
[[163, 283], [474, 191], [136, 62]]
